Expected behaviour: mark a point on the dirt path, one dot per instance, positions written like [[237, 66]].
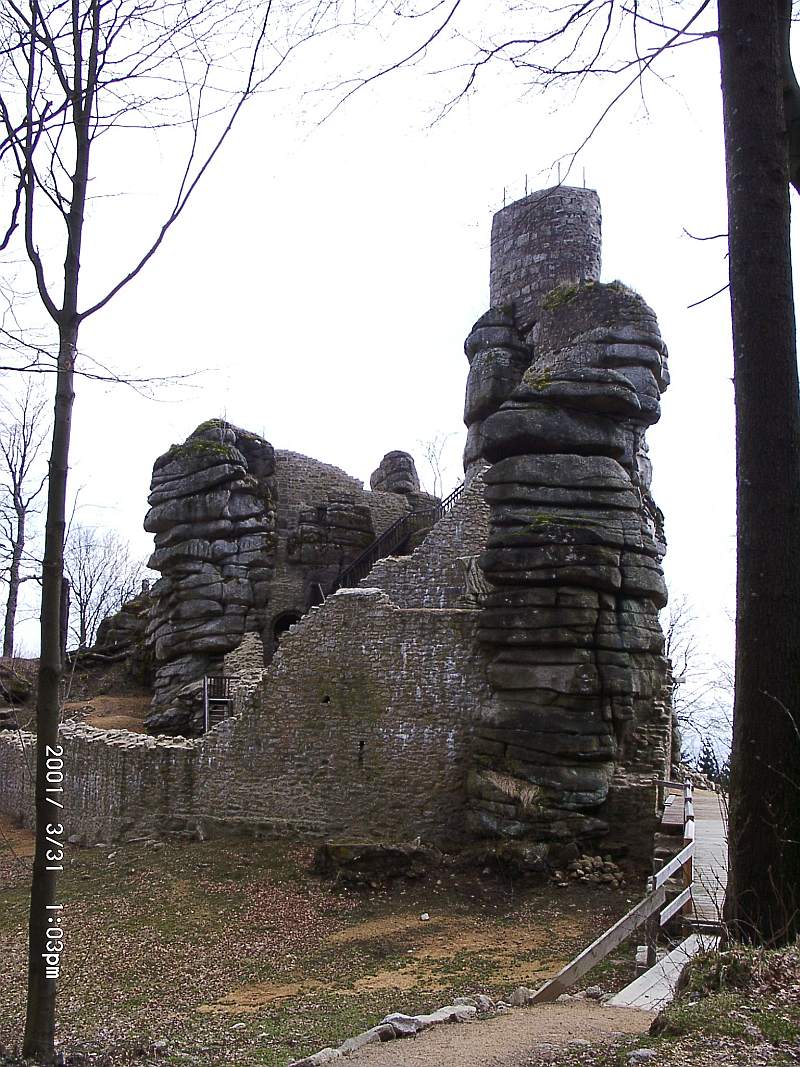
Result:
[[521, 1038], [118, 712]]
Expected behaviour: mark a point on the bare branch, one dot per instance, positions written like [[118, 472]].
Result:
[[710, 296]]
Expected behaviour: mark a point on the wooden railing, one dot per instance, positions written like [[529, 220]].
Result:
[[651, 910], [685, 858]]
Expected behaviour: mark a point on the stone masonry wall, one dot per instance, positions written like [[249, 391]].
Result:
[[362, 726], [245, 665], [303, 481], [547, 239], [117, 784], [434, 576]]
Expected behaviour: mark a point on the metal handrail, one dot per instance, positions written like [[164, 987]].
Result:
[[370, 552], [392, 537]]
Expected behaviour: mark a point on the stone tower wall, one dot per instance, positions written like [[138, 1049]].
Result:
[[549, 238]]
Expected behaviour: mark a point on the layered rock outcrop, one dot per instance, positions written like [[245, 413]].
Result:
[[573, 563], [396, 473], [247, 540], [122, 637], [498, 357], [331, 533], [126, 627], [212, 513]]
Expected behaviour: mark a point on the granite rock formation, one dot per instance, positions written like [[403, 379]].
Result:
[[127, 626], [501, 688], [248, 539], [498, 357], [330, 533], [212, 513], [396, 473], [573, 561], [123, 637], [325, 520]]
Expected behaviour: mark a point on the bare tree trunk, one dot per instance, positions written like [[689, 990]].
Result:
[[40, 1021], [14, 580], [763, 902]]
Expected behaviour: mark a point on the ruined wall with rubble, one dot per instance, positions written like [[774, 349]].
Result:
[[362, 726], [364, 720], [436, 574], [247, 540]]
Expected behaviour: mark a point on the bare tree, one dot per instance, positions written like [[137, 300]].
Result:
[[73, 72], [102, 576], [23, 430], [702, 693], [433, 452]]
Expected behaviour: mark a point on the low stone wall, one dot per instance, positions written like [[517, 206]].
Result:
[[361, 726], [116, 784], [17, 763]]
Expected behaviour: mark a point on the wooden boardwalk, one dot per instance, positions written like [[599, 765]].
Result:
[[711, 856], [656, 987]]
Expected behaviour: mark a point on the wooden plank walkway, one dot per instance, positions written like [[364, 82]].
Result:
[[656, 987], [711, 856]]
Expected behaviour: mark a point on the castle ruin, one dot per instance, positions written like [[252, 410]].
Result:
[[497, 675]]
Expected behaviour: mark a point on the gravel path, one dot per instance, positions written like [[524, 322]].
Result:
[[507, 1040]]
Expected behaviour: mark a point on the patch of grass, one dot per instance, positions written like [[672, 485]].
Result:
[[309, 1025], [562, 294], [744, 996], [614, 972], [721, 1015], [777, 1027]]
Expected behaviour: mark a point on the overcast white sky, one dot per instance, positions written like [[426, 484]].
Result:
[[324, 279]]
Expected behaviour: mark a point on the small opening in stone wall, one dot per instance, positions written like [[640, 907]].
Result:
[[361, 753], [281, 625], [325, 700]]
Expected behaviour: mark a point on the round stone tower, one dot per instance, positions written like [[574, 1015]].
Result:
[[549, 238]]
